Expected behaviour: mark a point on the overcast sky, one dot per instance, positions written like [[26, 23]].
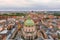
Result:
[[29, 4]]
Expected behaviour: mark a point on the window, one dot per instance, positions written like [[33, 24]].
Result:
[[30, 32], [29, 26]]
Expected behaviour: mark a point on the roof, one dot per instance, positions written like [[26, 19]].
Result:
[[2, 21], [29, 22]]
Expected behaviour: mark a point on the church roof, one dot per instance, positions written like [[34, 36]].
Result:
[[29, 22]]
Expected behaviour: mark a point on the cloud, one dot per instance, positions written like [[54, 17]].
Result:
[[37, 4], [10, 3]]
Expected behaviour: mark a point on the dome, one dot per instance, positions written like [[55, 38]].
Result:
[[29, 22]]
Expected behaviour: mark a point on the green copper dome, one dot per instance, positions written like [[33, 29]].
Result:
[[29, 22]]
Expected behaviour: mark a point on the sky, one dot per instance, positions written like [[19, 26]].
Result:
[[29, 5]]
